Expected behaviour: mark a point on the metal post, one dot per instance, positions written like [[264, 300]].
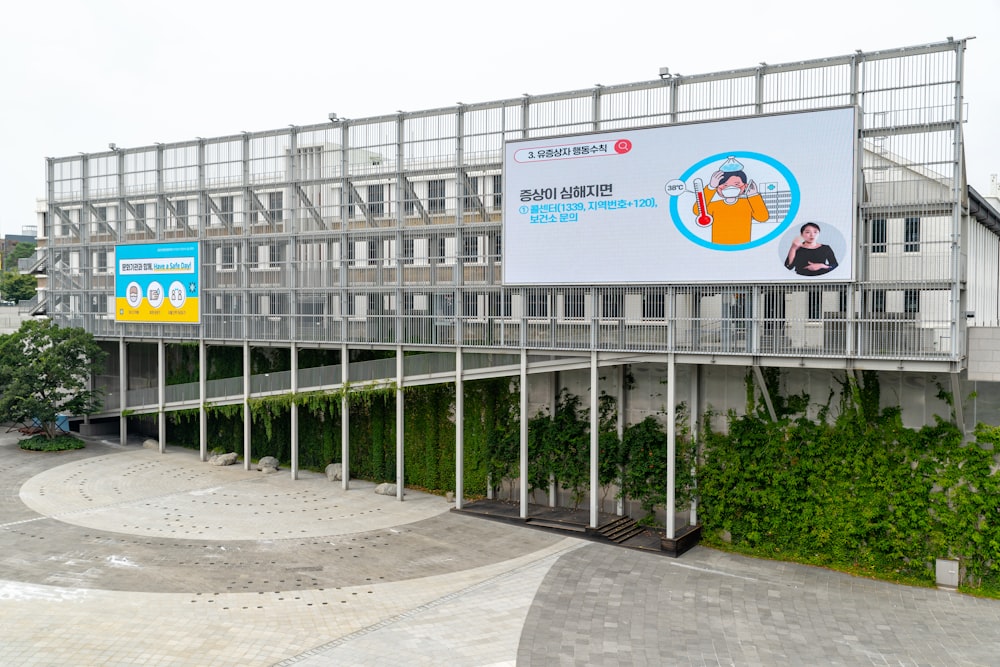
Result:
[[203, 396], [123, 389], [345, 420], [595, 423], [399, 423], [161, 390], [459, 429], [294, 410], [247, 421], [671, 444], [524, 433]]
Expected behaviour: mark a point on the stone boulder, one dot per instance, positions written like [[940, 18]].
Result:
[[267, 464], [227, 459], [386, 489], [335, 472], [149, 443]]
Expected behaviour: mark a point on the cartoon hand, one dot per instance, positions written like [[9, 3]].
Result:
[[716, 179], [751, 189]]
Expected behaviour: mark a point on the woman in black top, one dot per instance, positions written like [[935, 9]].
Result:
[[809, 257]]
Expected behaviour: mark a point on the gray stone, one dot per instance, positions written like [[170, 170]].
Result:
[[227, 459], [386, 489], [149, 443], [267, 464], [335, 472]]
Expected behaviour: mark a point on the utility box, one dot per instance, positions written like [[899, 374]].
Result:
[[949, 573]]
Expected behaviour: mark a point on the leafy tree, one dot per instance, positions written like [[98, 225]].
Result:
[[17, 287], [20, 251], [44, 371]]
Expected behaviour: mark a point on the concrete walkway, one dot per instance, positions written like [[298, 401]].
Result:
[[123, 556]]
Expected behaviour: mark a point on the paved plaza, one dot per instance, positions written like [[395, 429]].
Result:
[[119, 555]]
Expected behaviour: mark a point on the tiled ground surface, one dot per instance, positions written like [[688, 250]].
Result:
[[124, 556]]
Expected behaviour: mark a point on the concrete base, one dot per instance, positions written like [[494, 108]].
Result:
[[685, 538]]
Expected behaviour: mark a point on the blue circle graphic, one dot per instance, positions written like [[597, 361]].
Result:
[[793, 208]]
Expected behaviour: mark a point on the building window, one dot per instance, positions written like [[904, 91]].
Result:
[[140, 216], [612, 305], [815, 304], [226, 258], [911, 235], [470, 304], [500, 304], [376, 200], [654, 305], [435, 196], [470, 249], [471, 191], [408, 251], [878, 229], [911, 301], [275, 205], [574, 304], [409, 206], [537, 303], [878, 301], [497, 192], [497, 241], [181, 211], [101, 262], [226, 209]]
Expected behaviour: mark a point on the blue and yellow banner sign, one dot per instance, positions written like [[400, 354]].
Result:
[[158, 283]]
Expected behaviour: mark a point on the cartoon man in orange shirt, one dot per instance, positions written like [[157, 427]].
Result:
[[733, 203]]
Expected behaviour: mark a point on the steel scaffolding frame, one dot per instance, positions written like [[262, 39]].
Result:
[[387, 230]]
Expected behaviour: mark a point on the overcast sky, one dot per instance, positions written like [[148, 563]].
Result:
[[77, 75]]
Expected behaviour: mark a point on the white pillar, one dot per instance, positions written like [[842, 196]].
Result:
[[553, 402], [671, 444], [595, 424], [203, 400], [294, 411], [345, 421], [161, 392], [459, 430], [399, 423], [123, 391], [693, 425], [620, 428], [524, 433], [247, 421]]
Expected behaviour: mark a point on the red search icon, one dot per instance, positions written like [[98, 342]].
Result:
[[623, 146]]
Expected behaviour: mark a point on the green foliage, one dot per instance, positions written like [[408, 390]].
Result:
[[16, 286], [45, 370], [43, 443], [559, 447], [21, 251], [860, 492], [645, 460]]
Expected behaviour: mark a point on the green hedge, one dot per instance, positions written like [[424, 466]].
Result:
[[856, 491]]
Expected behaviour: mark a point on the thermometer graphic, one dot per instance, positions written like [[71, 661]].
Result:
[[704, 219]]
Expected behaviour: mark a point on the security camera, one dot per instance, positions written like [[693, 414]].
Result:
[[332, 116]]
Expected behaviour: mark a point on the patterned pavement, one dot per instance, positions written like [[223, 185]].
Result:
[[123, 556]]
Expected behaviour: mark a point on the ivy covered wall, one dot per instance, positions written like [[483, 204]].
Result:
[[841, 478]]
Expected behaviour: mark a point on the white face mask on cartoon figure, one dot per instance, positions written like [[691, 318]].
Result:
[[730, 191]]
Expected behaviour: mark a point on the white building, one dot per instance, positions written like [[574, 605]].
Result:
[[390, 233]]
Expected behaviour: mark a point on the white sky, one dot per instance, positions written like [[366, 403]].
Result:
[[77, 75]]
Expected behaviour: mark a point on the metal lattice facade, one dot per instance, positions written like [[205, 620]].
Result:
[[387, 230]]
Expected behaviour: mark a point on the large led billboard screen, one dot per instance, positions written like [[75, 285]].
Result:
[[765, 198], [157, 282]]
